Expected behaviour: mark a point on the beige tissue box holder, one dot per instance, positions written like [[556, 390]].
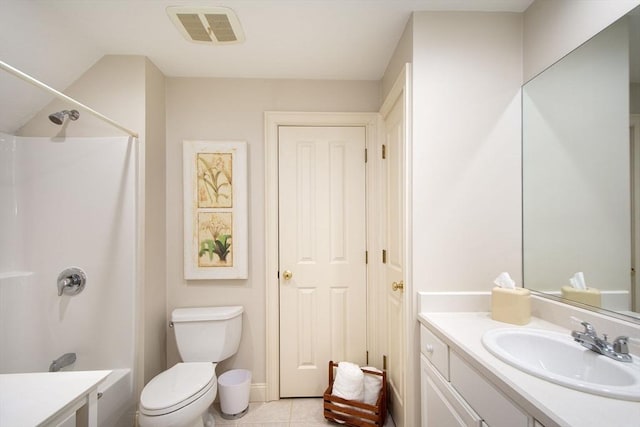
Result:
[[589, 296], [511, 305]]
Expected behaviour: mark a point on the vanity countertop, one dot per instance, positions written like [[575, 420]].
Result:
[[39, 398], [551, 404]]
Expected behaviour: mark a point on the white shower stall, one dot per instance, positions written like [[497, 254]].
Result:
[[71, 202]]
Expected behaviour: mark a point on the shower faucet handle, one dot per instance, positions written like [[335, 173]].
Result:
[[71, 281]]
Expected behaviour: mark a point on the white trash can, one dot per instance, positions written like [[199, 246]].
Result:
[[234, 387]]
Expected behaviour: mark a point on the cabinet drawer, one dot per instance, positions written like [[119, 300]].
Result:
[[493, 406], [436, 351], [442, 405]]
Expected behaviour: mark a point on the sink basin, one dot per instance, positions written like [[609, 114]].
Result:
[[557, 358]]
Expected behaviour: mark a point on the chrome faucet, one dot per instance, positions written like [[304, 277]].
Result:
[[618, 350]]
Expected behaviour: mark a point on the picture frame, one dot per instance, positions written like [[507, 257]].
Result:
[[215, 210]]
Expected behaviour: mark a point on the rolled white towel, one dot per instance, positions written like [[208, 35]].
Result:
[[349, 382], [372, 385]]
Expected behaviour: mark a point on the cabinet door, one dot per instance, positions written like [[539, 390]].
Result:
[[435, 350], [496, 409], [441, 406]]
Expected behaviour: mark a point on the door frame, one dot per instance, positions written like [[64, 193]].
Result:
[[274, 119], [634, 149], [402, 91]]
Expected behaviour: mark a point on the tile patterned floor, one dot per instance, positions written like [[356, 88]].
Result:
[[282, 413]]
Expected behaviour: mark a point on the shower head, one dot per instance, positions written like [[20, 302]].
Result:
[[58, 118]]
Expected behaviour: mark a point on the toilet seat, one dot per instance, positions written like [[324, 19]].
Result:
[[177, 387]]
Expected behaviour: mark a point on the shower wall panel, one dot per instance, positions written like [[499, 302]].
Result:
[[75, 205], [9, 226]]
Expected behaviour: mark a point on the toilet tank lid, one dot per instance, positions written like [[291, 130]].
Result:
[[194, 314]]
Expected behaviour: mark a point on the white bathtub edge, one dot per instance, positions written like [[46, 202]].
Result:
[[116, 405]]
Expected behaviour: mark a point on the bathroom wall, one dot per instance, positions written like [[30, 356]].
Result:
[[129, 90], [466, 154], [123, 101], [56, 55], [233, 109], [466, 149], [154, 300], [402, 55], [552, 29], [467, 73]]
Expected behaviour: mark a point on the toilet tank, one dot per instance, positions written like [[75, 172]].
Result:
[[207, 334]]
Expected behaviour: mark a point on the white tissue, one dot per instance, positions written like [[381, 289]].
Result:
[[505, 281], [349, 382], [577, 281], [372, 386]]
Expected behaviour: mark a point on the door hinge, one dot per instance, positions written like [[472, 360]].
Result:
[[384, 151], [366, 257], [384, 256], [365, 155], [384, 362], [367, 357]]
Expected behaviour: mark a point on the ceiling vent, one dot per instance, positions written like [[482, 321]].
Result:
[[217, 25]]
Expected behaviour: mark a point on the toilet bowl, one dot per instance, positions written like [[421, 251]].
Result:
[[178, 396], [181, 395]]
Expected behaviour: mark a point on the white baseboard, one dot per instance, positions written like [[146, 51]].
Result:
[[258, 392]]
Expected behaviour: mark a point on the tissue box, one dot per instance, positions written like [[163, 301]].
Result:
[[511, 305], [590, 296]]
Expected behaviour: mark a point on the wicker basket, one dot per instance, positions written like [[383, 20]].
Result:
[[351, 412]]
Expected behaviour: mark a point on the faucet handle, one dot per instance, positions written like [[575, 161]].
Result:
[[71, 281], [621, 345], [589, 329]]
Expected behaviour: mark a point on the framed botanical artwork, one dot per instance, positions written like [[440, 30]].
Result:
[[215, 210]]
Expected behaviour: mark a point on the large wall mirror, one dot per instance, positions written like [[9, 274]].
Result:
[[581, 173]]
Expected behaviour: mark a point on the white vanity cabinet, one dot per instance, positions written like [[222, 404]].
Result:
[[454, 394], [442, 406]]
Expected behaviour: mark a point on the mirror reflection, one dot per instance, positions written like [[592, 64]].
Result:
[[581, 173]]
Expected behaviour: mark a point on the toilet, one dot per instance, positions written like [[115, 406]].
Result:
[[181, 395]]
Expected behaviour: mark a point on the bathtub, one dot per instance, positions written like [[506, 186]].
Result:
[[116, 405], [61, 399]]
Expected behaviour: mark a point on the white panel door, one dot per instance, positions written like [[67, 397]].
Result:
[[322, 231], [394, 267]]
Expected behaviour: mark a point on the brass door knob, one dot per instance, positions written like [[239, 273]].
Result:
[[286, 275], [397, 286]]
